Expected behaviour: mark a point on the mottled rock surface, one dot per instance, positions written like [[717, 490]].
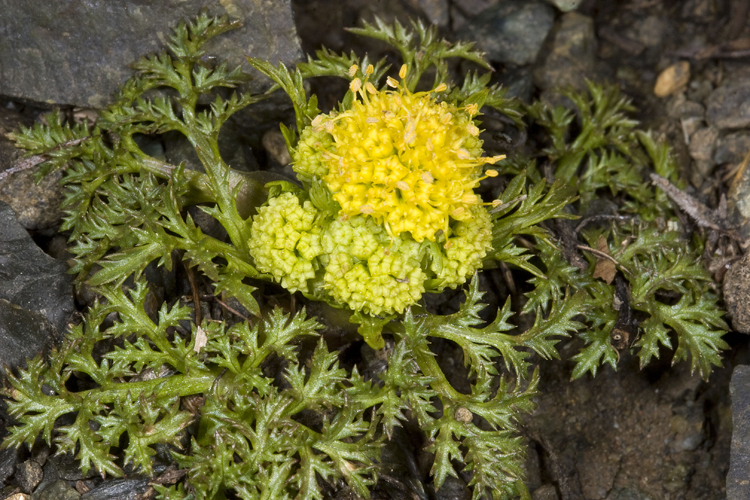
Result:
[[729, 106], [36, 297], [570, 57], [737, 294], [512, 31], [738, 483], [78, 52], [37, 205]]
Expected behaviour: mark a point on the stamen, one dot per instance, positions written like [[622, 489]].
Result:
[[391, 82], [492, 160], [491, 173], [402, 71], [355, 85], [441, 87], [463, 154], [370, 70], [366, 209], [472, 109], [472, 129], [371, 88], [427, 177], [372, 119], [403, 186], [316, 121], [353, 70], [458, 212]]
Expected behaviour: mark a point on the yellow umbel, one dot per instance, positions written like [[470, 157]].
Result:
[[404, 159]]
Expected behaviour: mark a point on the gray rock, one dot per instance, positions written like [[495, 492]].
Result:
[[518, 82], [732, 148], [627, 494], [30, 279], [738, 202], [729, 106], [738, 487], [28, 475], [512, 31], [23, 334], [678, 107], [699, 172], [36, 205], [546, 492], [571, 56], [737, 294], [703, 143], [59, 490], [8, 462], [436, 11], [78, 52], [118, 489]]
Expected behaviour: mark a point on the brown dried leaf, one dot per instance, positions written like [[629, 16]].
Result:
[[605, 269], [201, 339]]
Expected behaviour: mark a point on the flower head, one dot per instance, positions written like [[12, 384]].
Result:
[[404, 159], [285, 240], [367, 270], [465, 249]]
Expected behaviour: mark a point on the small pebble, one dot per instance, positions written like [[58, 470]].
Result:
[[18, 496], [672, 79], [737, 294], [28, 475], [275, 146]]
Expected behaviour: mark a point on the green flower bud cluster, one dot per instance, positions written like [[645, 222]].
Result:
[[465, 249], [285, 240], [368, 271], [356, 261]]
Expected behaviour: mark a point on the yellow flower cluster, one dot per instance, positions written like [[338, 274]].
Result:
[[404, 159], [403, 168]]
